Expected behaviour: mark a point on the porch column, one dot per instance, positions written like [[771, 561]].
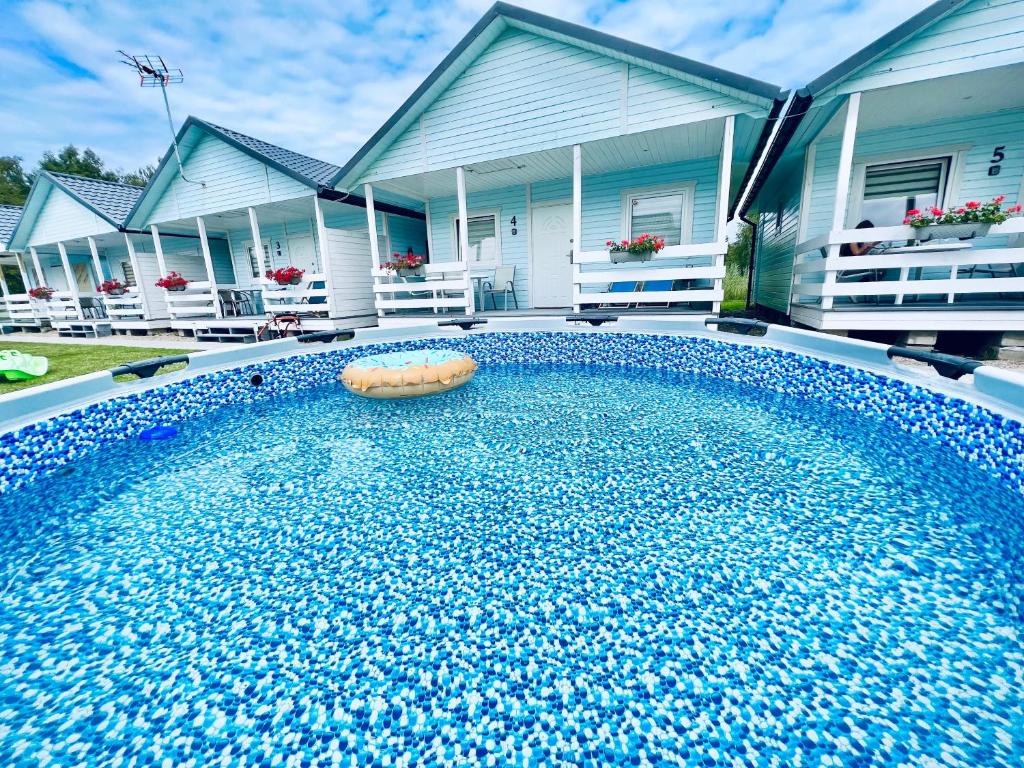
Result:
[[257, 241], [371, 228], [577, 213], [97, 265], [324, 247], [134, 259], [843, 183], [20, 261], [460, 186], [722, 210], [69, 275], [40, 278], [430, 234], [3, 282], [204, 243], [158, 249]]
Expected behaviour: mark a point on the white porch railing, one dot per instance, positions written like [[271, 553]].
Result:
[[196, 301], [952, 271], [443, 279], [24, 310], [127, 306], [675, 284], [278, 299], [61, 306]]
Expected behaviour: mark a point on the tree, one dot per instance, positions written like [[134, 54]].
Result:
[[139, 177], [14, 183], [739, 253], [70, 160]]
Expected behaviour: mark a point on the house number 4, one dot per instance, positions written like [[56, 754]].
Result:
[[513, 223], [997, 157]]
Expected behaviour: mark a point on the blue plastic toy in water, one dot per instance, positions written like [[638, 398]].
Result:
[[158, 433]]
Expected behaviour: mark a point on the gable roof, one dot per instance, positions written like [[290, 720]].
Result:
[[314, 173], [502, 16], [801, 103], [882, 45], [9, 215], [110, 200], [303, 168]]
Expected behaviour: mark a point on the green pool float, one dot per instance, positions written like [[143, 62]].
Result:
[[15, 366]]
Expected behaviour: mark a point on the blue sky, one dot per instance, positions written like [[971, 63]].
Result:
[[319, 76]]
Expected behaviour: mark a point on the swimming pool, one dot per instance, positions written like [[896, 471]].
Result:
[[606, 549]]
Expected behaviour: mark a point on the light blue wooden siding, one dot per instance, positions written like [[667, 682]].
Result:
[[981, 34], [655, 100], [527, 93], [64, 218], [278, 235], [407, 233], [233, 180], [602, 210], [777, 226], [981, 134]]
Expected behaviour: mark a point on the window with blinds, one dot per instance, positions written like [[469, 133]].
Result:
[[483, 239], [254, 264], [660, 215], [892, 189], [129, 273]]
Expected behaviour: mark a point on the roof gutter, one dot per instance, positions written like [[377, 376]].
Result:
[[766, 132], [798, 107], [327, 193]]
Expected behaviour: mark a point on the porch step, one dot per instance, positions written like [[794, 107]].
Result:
[[83, 330], [227, 335]]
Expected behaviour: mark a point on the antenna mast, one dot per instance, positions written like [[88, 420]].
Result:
[[154, 73]]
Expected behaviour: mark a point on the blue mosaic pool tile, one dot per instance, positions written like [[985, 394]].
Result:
[[989, 440]]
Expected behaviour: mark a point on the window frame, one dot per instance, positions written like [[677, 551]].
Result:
[[268, 256], [954, 172], [479, 214], [687, 189]]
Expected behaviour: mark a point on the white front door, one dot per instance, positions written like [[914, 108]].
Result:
[[551, 238], [302, 253]]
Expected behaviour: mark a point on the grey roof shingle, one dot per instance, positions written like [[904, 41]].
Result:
[[316, 171], [110, 198], [9, 215]]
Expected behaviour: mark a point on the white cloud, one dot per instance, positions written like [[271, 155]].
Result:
[[321, 76]]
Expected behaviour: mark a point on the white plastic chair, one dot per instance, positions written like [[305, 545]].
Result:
[[503, 283]]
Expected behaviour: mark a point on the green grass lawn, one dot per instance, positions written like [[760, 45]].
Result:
[[734, 305], [67, 360]]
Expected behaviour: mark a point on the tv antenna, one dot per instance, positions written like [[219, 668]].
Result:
[[154, 73]]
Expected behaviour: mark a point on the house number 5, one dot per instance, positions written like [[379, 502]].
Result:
[[997, 157]]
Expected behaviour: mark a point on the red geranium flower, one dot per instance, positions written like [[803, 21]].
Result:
[[972, 204]]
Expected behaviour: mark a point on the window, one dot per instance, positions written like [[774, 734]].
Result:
[[892, 189], [254, 265], [662, 213], [129, 273], [484, 246]]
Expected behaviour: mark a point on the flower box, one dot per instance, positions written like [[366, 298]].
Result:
[[947, 231], [286, 275], [408, 265], [172, 282], [113, 287], [641, 248], [972, 219], [177, 288], [41, 293]]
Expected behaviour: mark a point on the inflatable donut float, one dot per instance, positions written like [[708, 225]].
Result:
[[408, 374]]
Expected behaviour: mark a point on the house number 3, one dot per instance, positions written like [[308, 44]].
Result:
[[997, 157]]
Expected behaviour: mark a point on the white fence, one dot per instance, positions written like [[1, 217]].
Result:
[[446, 286], [953, 272], [127, 306], [657, 282], [282, 299], [22, 309], [196, 301]]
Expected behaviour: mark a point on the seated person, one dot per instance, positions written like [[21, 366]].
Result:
[[858, 249]]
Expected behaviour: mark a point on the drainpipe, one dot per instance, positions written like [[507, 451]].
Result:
[[753, 252]]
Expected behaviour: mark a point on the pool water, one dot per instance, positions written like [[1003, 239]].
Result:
[[549, 566]]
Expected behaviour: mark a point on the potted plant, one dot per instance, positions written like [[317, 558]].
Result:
[[41, 293], [408, 265], [972, 219], [113, 287], [641, 248], [286, 275], [172, 282]]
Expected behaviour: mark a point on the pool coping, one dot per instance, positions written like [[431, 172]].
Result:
[[995, 389]]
